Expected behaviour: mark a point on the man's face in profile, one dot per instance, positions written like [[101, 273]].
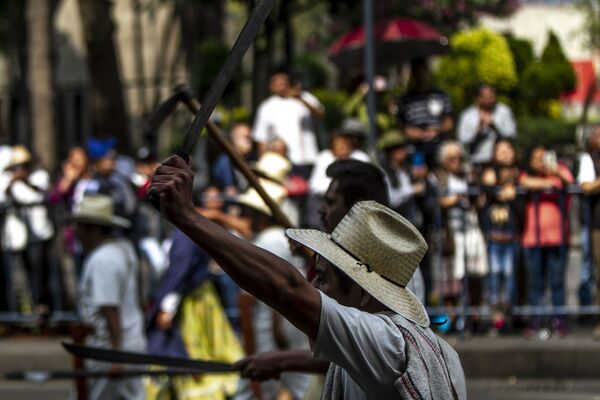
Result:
[[333, 207]]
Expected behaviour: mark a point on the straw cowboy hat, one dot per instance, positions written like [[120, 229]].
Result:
[[391, 139], [353, 127], [379, 250], [19, 156], [99, 209], [273, 168]]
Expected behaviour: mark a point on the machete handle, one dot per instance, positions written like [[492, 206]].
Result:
[[154, 199]]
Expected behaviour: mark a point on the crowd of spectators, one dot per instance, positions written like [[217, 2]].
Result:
[[497, 223]]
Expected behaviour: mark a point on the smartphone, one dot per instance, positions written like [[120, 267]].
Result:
[[550, 160]]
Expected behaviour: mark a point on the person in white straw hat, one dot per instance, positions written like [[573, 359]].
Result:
[[108, 291], [357, 313]]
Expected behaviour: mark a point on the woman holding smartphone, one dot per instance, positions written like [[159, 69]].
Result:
[[545, 233]]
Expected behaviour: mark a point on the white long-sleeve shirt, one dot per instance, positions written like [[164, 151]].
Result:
[[468, 128]]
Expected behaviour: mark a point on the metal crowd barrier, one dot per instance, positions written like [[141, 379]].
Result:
[[465, 310]]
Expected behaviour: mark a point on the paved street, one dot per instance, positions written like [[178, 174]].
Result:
[[478, 390], [512, 389], [489, 363]]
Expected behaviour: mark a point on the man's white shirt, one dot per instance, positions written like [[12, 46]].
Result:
[[290, 120]]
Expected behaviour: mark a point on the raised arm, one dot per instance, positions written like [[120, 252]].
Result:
[[264, 275]]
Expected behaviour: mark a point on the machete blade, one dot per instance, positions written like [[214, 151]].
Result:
[[126, 357]]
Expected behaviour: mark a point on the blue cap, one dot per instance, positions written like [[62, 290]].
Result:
[[99, 148]]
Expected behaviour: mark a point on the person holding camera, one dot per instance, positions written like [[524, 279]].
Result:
[[483, 123], [289, 114]]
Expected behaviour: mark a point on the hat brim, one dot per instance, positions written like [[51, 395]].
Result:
[[115, 222], [252, 199], [399, 299]]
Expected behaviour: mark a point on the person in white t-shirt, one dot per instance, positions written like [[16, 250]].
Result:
[[108, 294], [289, 114]]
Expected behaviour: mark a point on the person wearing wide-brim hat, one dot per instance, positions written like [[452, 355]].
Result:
[[401, 188], [19, 157], [358, 312], [108, 293], [29, 229]]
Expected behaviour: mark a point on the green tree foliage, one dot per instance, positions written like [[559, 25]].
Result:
[[211, 55], [522, 51], [591, 27], [312, 70], [477, 55], [543, 81]]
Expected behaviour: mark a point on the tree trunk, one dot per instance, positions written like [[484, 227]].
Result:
[[200, 20], [262, 59], [138, 56], [108, 106], [288, 32], [40, 82], [19, 117]]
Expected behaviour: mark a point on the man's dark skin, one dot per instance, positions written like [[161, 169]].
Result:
[[264, 275]]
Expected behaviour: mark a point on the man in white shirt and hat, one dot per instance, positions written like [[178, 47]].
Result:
[[108, 294], [358, 313]]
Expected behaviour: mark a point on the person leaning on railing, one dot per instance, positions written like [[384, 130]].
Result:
[[500, 223], [545, 233]]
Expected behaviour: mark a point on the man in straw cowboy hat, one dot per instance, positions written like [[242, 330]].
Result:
[[374, 331], [108, 293]]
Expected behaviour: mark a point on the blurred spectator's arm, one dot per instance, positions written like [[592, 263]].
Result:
[[447, 123], [504, 122], [319, 182], [535, 183], [313, 104], [586, 177], [25, 194], [591, 187], [261, 128], [402, 193], [113, 324], [449, 201], [447, 115], [168, 308], [355, 100], [564, 174], [468, 125]]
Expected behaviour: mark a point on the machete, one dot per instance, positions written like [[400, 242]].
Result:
[[44, 376], [126, 357], [247, 35]]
